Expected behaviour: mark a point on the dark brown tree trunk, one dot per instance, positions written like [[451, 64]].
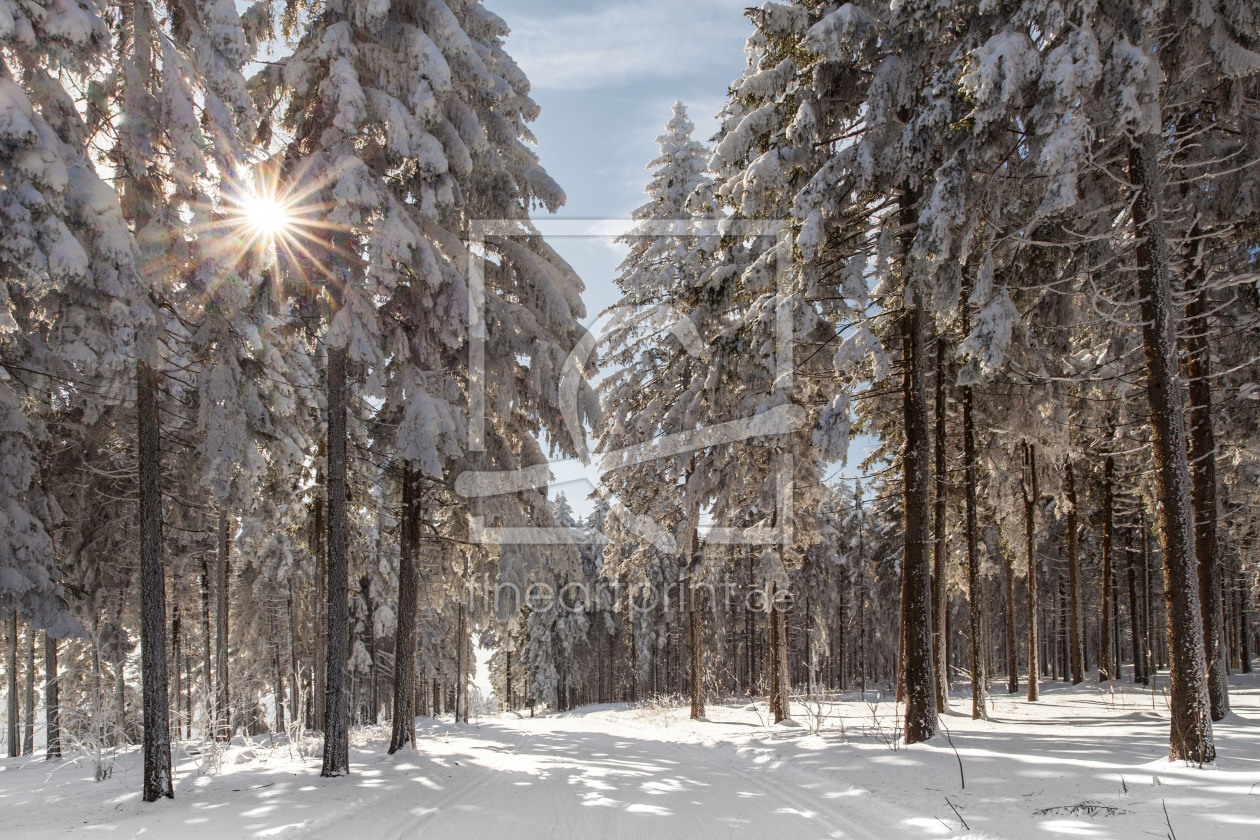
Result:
[[1135, 615], [974, 588], [749, 629], [188, 706], [28, 736], [779, 703], [920, 715], [1031, 497], [207, 674], [336, 703], [319, 548], [1115, 619], [696, 639], [295, 690], [1190, 736], [1012, 642], [940, 641], [461, 655], [1062, 638], [12, 695], [279, 674], [120, 682], [223, 695], [52, 698], [1106, 655], [861, 596], [176, 639], [1244, 630], [900, 665], [1148, 618], [1077, 639], [157, 733], [1202, 462], [365, 590]]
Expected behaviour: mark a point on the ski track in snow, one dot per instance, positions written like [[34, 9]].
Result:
[[622, 773]]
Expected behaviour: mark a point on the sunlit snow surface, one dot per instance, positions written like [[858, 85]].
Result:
[[615, 771]]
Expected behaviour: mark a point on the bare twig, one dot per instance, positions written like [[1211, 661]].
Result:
[[962, 780], [960, 816]]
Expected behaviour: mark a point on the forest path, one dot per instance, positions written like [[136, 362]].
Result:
[[1085, 761], [560, 777]]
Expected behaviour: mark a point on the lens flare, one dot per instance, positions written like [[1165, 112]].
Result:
[[267, 217]]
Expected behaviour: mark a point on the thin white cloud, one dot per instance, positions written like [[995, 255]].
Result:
[[627, 41]]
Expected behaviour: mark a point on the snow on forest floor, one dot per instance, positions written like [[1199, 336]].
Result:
[[1082, 762]]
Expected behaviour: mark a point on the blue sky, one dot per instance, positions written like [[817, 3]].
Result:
[[606, 74]]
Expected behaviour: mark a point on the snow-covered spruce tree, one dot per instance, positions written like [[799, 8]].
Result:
[[657, 343], [1215, 140], [879, 90], [70, 297], [185, 116], [445, 127], [1109, 53], [100, 301], [777, 143]]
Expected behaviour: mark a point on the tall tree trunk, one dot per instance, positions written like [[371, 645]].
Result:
[[1148, 618], [780, 706], [295, 690], [98, 695], [157, 733], [974, 588], [1244, 630], [920, 722], [28, 736], [365, 589], [1012, 642], [696, 628], [336, 706], [12, 695], [1064, 636], [1031, 497], [279, 674], [1190, 735], [940, 641], [1201, 441], [461, 655], [188, 704], [861, 597], [1244, 634], [1074, 583], [140, 197], [750, 636], [223, 702], [1135, 615], [176, 638], [206, 673], [319, 548], [1116, 648], [507, 673], [120, 683], [52, 698], [1106, 655]]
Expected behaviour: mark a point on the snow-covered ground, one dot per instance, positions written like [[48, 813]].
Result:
[[1080, 763]]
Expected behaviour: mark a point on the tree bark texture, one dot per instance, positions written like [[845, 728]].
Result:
[[1190, 735], [157, 733], [336, 701]]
